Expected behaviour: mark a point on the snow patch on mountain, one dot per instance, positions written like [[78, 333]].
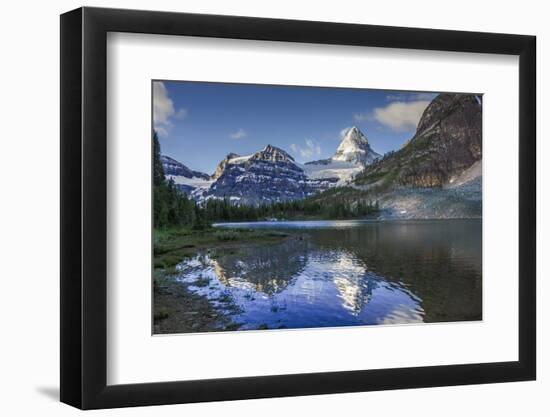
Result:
[[341, 172], [192, 182], [240, 159]]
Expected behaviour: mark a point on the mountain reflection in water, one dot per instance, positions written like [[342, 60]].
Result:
[[347, 273]]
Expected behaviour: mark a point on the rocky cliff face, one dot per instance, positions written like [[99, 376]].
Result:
[[221, 166], [447, 142], [267, 176]]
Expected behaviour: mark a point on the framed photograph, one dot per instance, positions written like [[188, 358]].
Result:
[[257, 208]]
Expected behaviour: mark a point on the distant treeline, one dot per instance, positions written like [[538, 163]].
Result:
[[173, 208]]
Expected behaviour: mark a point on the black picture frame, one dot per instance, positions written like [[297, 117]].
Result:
[[84, 207]]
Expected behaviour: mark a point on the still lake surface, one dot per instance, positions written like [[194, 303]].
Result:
[[342, 273]]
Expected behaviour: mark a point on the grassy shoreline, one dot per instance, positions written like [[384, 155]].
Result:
[[175, 308], [171, 246]]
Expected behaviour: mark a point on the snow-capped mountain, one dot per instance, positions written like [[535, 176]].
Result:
[[272, 175], [185, 178], [355, 148], [267, 176], [352, 155], [174, 168], [436, 174]]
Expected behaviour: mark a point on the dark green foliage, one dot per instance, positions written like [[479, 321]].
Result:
[[173, 208], [313, 207], [170, 207], [158, 171]]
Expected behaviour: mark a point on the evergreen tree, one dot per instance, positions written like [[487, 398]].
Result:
[[171, 207], [158, 170]]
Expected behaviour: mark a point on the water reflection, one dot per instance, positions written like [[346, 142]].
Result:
[[350, 273], [264, 268]]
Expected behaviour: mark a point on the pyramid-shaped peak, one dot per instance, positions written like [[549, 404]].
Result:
[[353, 134], [354, 147], [352, 141]]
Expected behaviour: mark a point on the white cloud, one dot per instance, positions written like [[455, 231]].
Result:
[[163, 106], [163, 109], [239, 134], [308, 151], [398, 115]]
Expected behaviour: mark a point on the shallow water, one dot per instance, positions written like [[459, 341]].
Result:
[[341, 273]]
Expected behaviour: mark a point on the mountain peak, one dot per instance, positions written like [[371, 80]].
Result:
[[354, 130], [273, 154], [446, 103], [354, 147], [172, 167]]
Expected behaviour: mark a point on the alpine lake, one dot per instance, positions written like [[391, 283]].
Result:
[[341, 273]]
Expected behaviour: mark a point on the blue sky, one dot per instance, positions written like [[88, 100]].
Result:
[[199, 123]]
